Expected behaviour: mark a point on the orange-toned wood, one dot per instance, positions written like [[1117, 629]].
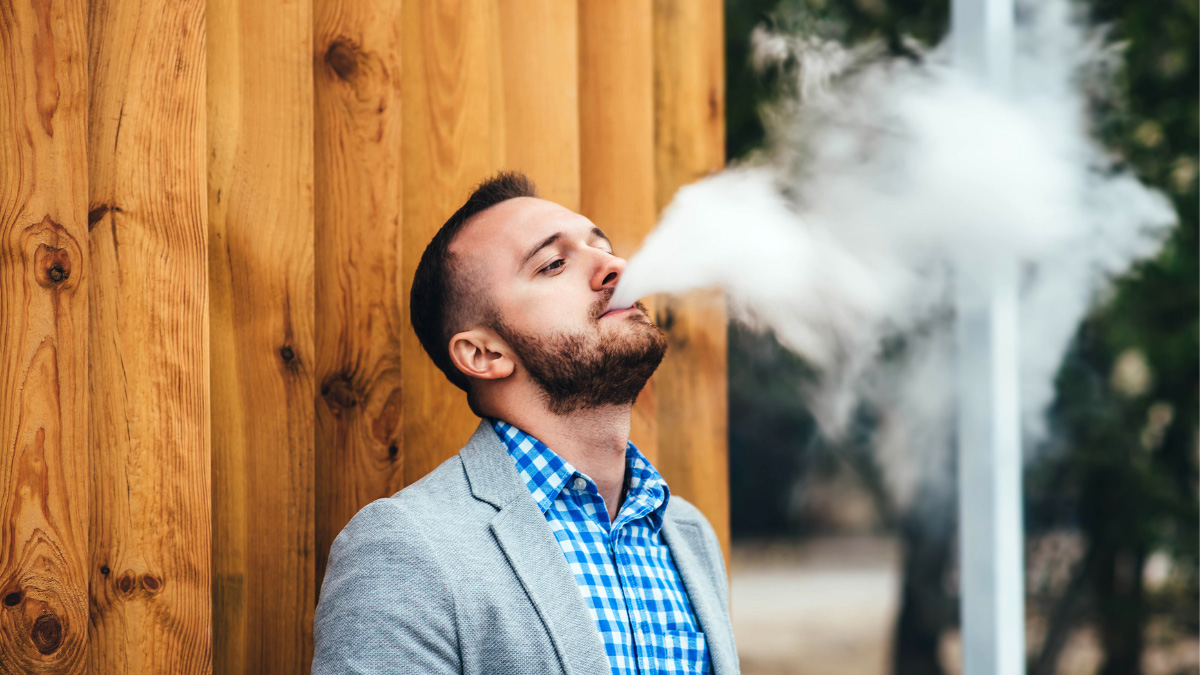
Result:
[[260, 197], [616, 113], [360, 307], [689, 144], [538, 92], [151, 529], [449, 130], [44, 282]]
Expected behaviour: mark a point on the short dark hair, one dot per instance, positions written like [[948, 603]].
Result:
[[441, 302]]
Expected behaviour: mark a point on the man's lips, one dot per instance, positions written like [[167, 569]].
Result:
[[617, 312]]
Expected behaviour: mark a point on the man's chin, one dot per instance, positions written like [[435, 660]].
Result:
[[591, 369]]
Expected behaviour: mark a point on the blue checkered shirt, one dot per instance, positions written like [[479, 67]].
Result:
[[624, 570]]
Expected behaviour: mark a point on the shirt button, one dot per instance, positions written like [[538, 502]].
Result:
[[580, 484]]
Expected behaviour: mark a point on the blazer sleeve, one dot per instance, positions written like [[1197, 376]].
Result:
[[386, 604]]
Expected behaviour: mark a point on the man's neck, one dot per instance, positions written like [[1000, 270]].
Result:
[[593, 440]]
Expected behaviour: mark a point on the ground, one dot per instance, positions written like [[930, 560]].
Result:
[[827, 607]]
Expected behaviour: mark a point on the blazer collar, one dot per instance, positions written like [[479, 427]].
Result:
[[490, 470]]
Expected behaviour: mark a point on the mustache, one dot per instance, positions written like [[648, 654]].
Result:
[[601, 305]]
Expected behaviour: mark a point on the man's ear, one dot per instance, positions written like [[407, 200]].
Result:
[[481, 354]]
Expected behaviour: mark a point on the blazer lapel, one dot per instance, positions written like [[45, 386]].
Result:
[[525, 537], [682, 537], [534, 554]]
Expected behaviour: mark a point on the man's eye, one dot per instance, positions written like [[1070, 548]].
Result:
[[553, 266]]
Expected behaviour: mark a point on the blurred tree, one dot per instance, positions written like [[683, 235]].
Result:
[[1126, 467], [1122, 462]]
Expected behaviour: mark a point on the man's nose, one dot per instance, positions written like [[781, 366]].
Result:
[[608, 272]]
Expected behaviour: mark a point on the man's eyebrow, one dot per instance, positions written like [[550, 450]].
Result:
[[555, 237], [596, 231], [545, 242]]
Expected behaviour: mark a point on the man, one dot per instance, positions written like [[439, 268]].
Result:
[[549, 544]]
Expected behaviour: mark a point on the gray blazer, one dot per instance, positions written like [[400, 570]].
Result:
[[459, 573]]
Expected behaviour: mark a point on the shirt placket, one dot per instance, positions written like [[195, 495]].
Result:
[[635, 603], [598, 516]]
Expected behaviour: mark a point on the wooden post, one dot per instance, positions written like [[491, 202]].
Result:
[[360, 308], [689, 86], [151, 448], [616, 113], [448, 135], [43, 337], [537, 85], [260, 196]]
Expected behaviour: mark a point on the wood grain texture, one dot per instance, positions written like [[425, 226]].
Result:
[[449, 137], [360, 308], [260, 196], [616, 113], [689, 144], [538, 92], [44, 282], [151, 447]]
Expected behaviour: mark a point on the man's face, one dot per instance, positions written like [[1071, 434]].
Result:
[[547, 274]]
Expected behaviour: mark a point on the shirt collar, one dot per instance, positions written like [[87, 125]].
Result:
[[545, 474]]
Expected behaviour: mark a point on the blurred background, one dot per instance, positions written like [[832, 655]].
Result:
[[831, 573]]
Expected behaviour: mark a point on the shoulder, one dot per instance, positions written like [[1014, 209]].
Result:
[[422, 514], [386, 595], [404, 509], [395, 549]]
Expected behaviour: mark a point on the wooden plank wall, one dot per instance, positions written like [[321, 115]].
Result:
[[689, 113], [359, 276], [261, 249], [150, 441], [259, 179], [44, 569]]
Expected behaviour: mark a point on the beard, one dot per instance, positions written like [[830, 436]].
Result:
[[589, 369]]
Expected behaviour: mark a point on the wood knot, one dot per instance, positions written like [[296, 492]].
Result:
[[13, 599], [104, 570], [286, 353], [342, 57], [339, 393], [151, 583], [47, 633], [97, 214], [54, 265], [125, 582], [393, 451]]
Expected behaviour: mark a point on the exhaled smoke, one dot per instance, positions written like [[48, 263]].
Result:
[[886, 178]]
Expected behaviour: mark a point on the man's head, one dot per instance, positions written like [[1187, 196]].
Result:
[[514, 288]]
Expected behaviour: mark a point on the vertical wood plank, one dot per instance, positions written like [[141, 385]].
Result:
[[447, 134], [150, 400], [690, 143], [539, 88], [360, 307], [44, 281], [260, 190], [616, 113]]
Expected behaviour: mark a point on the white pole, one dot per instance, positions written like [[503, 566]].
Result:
[[991, 556]]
